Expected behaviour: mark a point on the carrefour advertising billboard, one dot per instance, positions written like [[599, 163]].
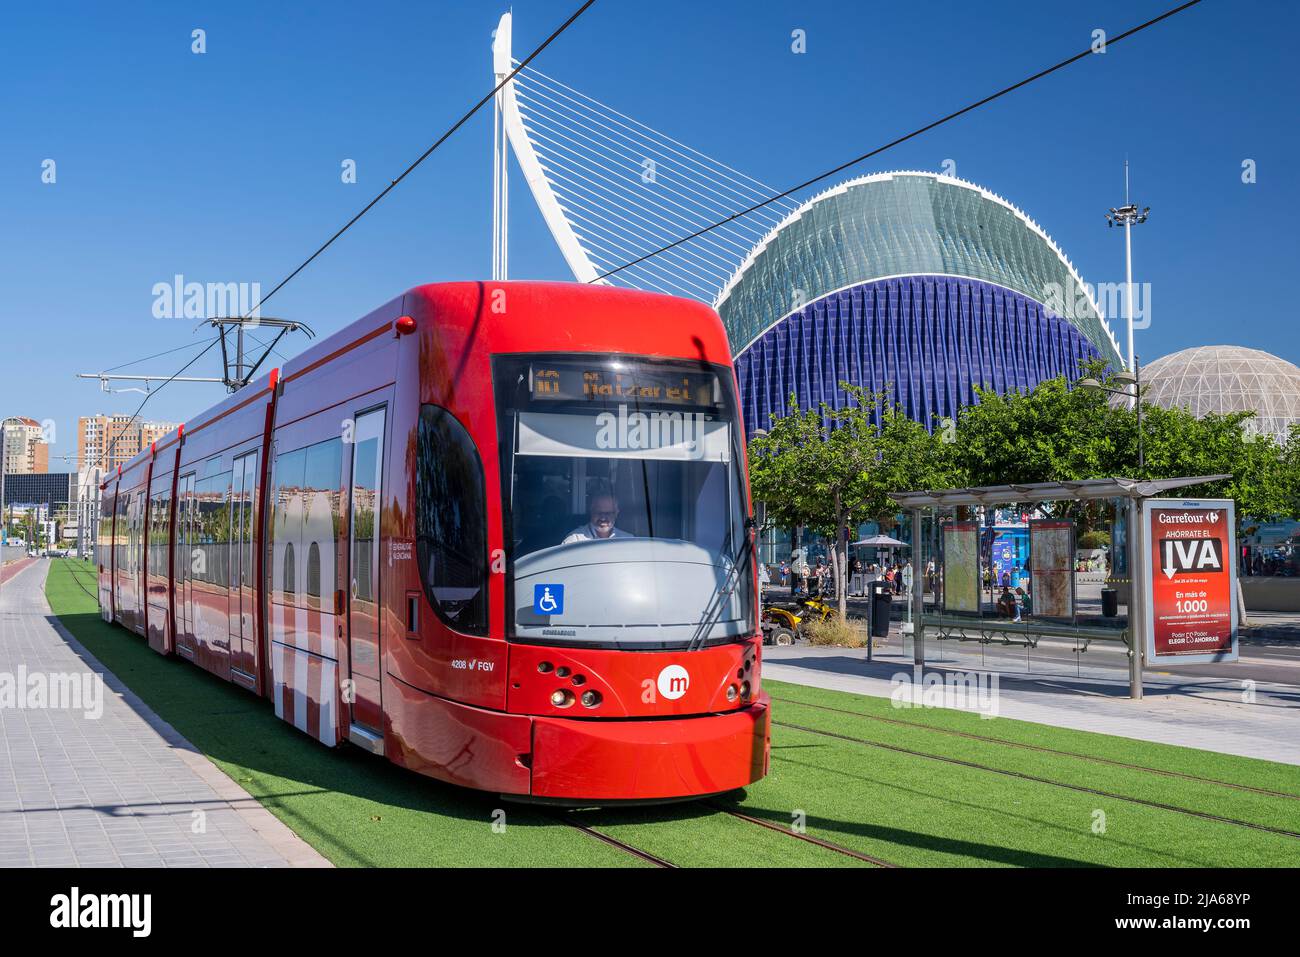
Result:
[[1190, 580]]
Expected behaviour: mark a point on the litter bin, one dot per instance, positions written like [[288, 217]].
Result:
[[1109, 602], [881, 600]]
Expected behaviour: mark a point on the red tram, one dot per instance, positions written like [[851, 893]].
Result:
[[498, 533]]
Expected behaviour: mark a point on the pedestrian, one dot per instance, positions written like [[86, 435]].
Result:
[[907, 577], [1024, 607], [785, 574], [1007, 604]]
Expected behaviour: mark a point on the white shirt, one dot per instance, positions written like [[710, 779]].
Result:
[[585, 533]]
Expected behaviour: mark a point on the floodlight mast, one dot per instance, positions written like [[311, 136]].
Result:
[[1128, 216]]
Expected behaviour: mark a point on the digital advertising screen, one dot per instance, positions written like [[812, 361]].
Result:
[[1190, 580]]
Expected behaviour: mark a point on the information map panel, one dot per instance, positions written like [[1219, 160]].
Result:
[[961, 567], [1051, 567]]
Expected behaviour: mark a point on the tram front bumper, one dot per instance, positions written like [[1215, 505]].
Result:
[[650, 760]]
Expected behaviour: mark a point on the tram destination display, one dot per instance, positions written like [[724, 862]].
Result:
[[1190, 580], [624, 382]]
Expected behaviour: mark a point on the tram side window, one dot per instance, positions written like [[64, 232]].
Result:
[[120, 533], [104, 541], [286, 526], [322, 520], [213, 530], [137, 517], [242, 501], [306, 523], [159, 533], [451, 521], [183, 558]]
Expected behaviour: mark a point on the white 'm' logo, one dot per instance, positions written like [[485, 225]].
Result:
[[673, 682]]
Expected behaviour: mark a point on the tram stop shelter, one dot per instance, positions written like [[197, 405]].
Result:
[[945, 623]]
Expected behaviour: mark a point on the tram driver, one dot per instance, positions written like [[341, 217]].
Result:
[[602, 513]]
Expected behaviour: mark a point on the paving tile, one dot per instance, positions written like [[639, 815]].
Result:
[[114, 791]]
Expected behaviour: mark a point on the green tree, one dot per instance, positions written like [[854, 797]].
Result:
[[829, 469], [1055, 432]]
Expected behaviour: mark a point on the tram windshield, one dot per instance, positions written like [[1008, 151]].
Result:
[[624, 501]]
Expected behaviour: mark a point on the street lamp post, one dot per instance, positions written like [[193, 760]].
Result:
[[1126, 381], [1128, 216]]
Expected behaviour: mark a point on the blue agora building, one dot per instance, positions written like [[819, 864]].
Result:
[[918, 284]]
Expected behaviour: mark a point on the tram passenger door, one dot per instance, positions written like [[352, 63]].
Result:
[[184, 564], [364, 652], [242, 569], [137, 563]]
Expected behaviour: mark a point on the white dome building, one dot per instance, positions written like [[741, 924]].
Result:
[[1227, 379]]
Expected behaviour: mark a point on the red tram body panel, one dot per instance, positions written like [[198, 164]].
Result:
[[498, 532]]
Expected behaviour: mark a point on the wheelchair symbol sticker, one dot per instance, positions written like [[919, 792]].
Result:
[[548, 599]]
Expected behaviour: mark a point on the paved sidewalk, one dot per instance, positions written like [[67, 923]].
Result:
[[13, 568], [1212, 713], [123, 789]]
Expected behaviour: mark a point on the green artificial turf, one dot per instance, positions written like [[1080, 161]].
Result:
[[359, 810], [915, 812], [1204, 797], [1229, 768]]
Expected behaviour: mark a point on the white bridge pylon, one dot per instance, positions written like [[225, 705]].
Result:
[[612, 189]]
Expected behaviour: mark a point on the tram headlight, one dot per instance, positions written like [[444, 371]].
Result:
[[561, 697], [590, 698], [731, 692], [744, 690]]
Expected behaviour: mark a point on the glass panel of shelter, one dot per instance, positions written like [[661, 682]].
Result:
[[1092, 575]]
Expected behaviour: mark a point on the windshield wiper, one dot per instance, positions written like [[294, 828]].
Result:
[[711, 616]]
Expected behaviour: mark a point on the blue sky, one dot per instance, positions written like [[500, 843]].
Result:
[[225, 166]]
